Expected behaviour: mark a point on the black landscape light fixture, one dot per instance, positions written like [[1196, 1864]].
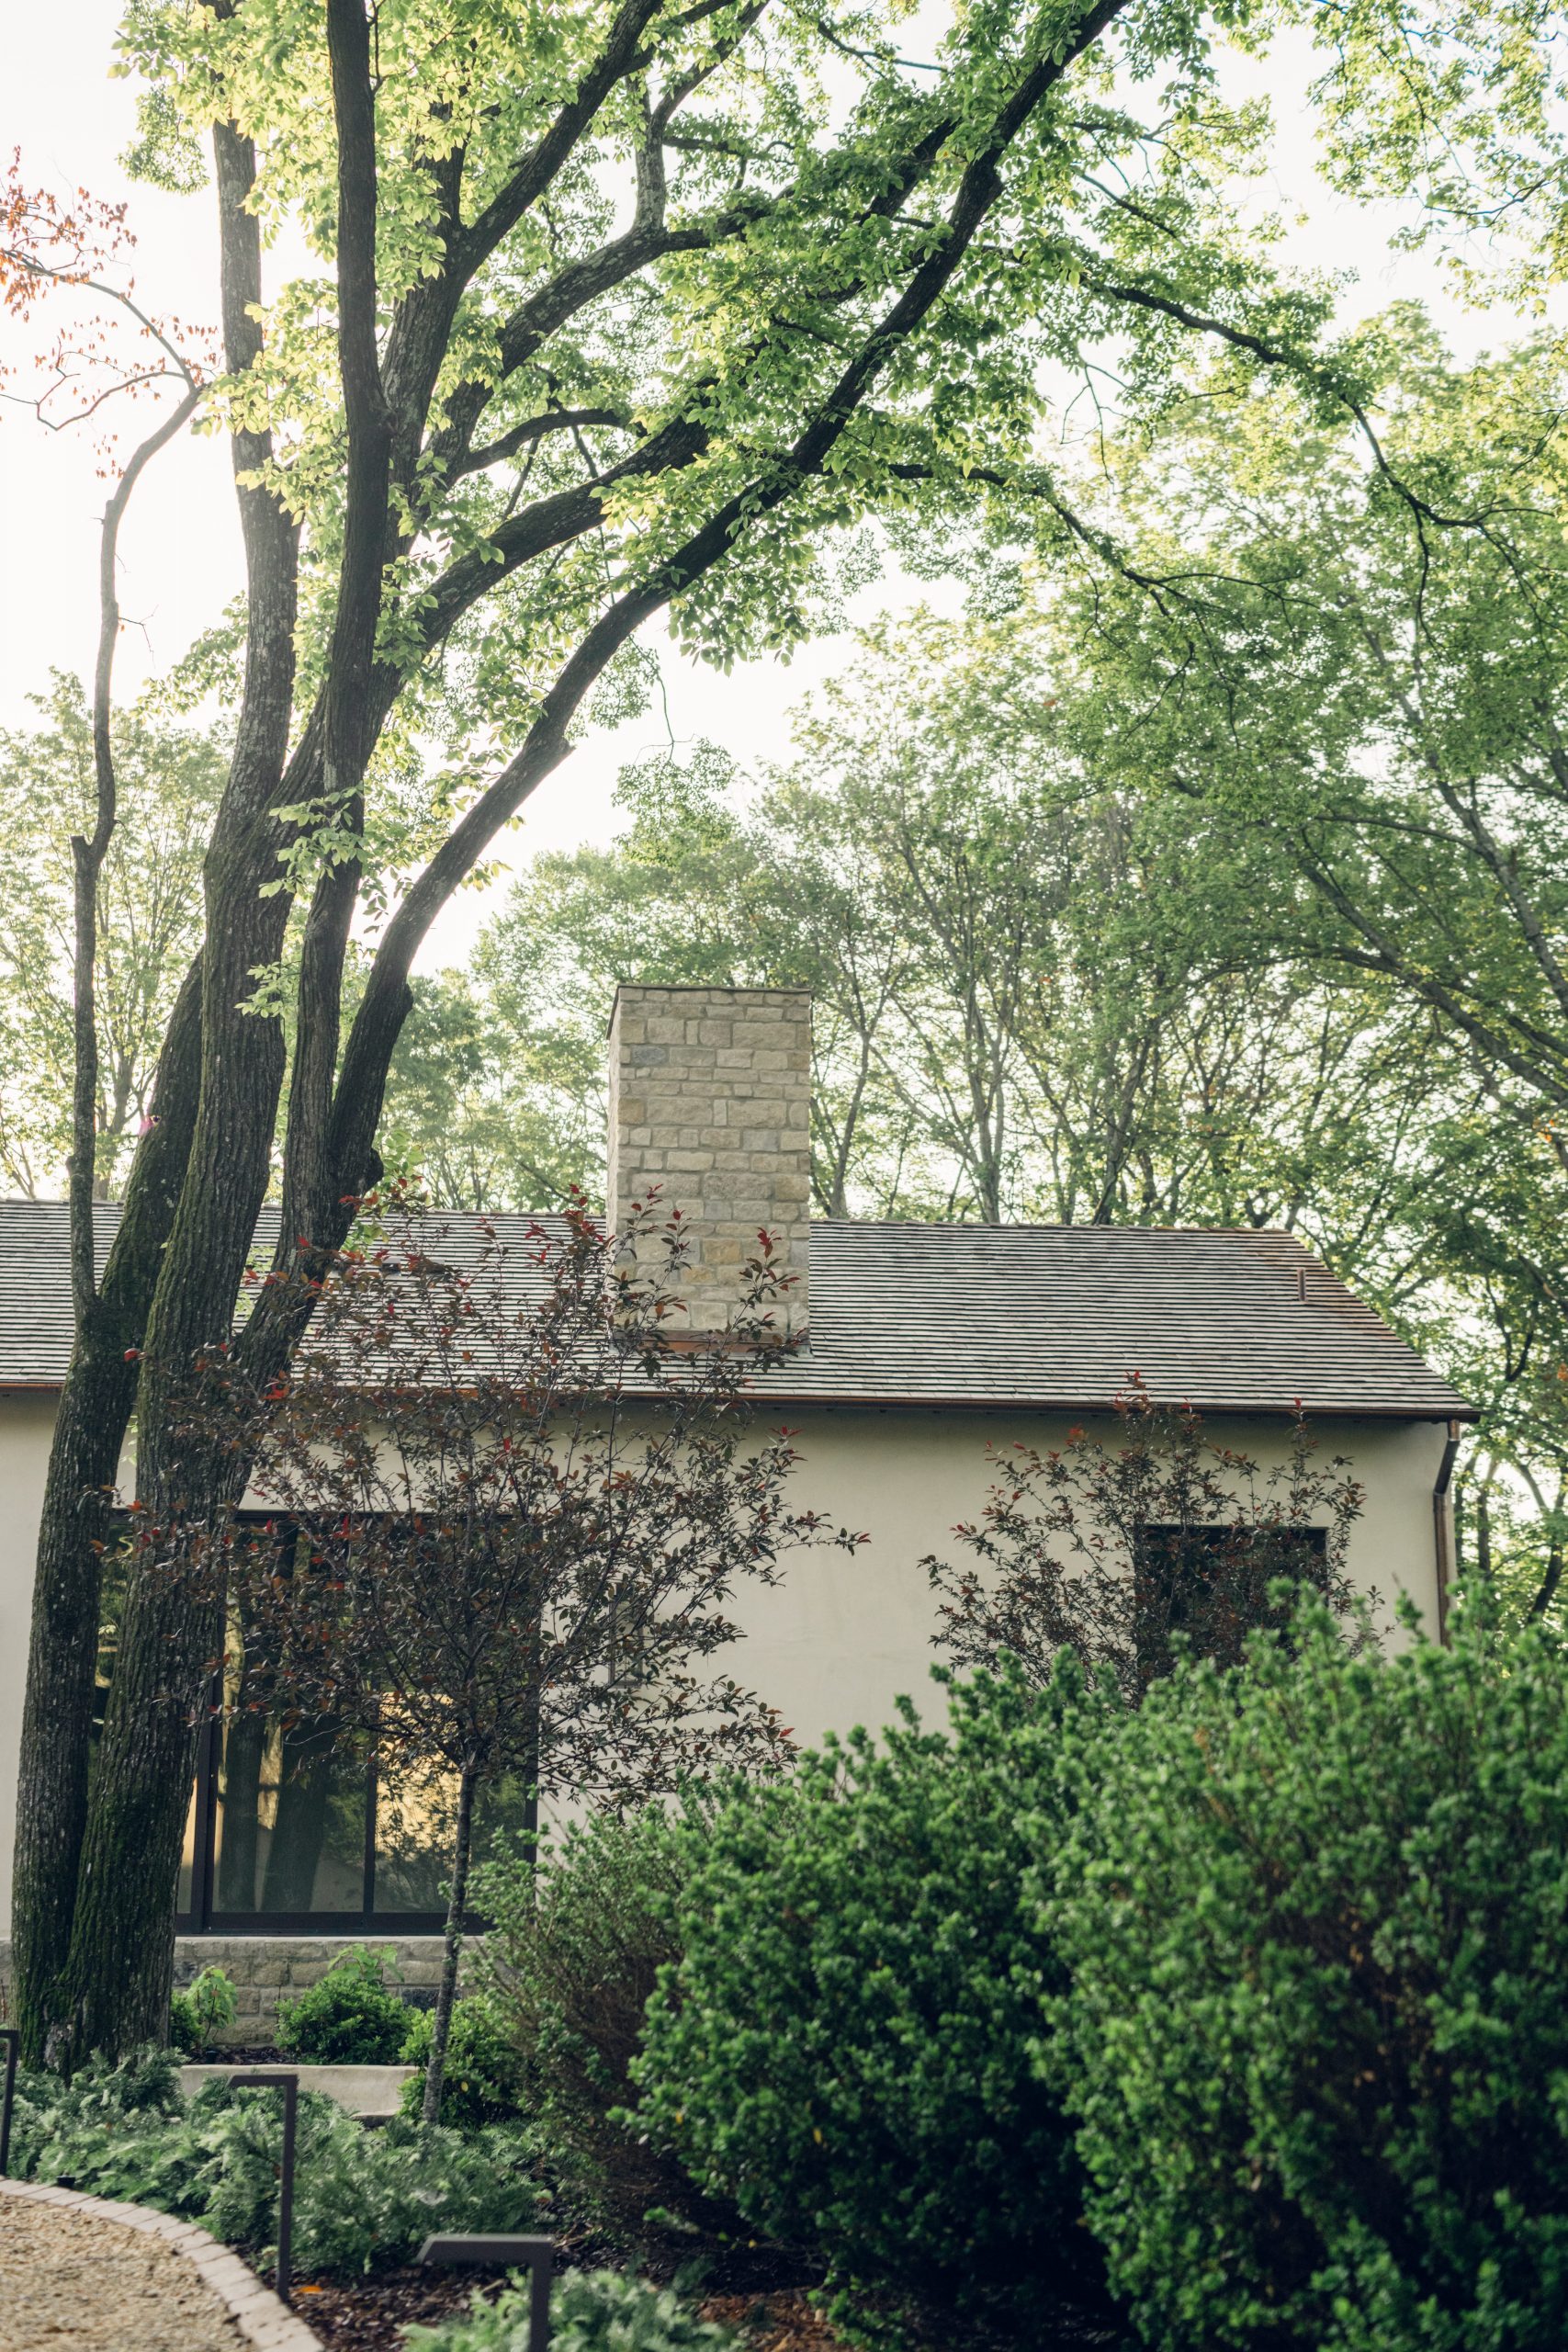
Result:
[[537, 2255], [13, 2042], [289, 2086]]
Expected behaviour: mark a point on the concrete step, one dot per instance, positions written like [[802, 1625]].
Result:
[[370, 2092]]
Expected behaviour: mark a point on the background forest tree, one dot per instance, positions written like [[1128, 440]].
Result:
[[651, 309], [1047, 988], [149, 916]]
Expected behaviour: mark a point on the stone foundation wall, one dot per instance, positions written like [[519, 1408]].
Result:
[[264, 1970]]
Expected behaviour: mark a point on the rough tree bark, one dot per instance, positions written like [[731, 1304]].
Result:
[[95, 1406], [114, 1986]]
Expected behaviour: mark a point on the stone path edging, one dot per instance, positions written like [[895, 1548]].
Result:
[[255, 2310]]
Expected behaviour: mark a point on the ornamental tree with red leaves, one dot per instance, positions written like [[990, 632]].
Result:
[[506, 1501], [1120, 1551]]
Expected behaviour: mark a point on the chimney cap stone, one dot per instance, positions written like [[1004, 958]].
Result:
[[689, 988]]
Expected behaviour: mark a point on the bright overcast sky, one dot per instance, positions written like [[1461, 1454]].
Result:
[[180, 552]]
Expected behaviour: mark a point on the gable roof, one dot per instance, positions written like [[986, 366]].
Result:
[[1023, 1314], [1066, 1314]]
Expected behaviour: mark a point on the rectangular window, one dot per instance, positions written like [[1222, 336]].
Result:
[[1209, 1586], [297, 1827], [281, 1835]]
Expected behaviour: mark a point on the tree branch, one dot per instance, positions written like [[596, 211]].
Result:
[[271, 538], [384, 1004], [621, 55], [535, 428], [569, 291], [1548, 1080], [1296, 363], [551, 522], [348, 729], [87, 854]]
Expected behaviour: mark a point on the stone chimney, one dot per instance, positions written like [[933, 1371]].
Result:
[[710, 1099]]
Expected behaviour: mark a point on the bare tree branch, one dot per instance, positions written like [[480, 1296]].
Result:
[[87, 855]]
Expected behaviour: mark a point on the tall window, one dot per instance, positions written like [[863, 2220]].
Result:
[[294, 1829], [296, 1824]]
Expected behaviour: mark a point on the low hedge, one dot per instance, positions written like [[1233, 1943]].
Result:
[[483, 2081], [350, 2017]]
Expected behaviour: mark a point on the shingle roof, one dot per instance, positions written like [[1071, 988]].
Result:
[[35, 1289], [1065, 1314], [1028, 1315]]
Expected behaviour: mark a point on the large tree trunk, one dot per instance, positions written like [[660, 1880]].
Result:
[[121, 1963], [119, 1974], [89, 1433], [101, 1381], [119, 1969], [51, 1804]]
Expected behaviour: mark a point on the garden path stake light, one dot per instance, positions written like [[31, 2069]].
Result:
[[10, 2035], [537, 2255], [289, 2086]]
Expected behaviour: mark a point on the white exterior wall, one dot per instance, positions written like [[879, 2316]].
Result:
[[26, 1421], [845, 1633]]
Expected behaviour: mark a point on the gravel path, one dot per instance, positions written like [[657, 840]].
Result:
[[72, 2282]]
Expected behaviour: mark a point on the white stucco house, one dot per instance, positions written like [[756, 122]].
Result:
[[923, 1344]]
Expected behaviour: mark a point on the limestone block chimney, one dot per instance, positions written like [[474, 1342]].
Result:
[[710, 1099]]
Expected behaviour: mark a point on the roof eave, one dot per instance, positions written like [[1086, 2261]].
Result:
[[1016, 1401]]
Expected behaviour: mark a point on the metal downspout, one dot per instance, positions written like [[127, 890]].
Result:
[[1442, 1528]]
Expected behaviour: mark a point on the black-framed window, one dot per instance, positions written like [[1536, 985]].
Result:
[[1211, 1585], [297, 1827], [294, 1829]]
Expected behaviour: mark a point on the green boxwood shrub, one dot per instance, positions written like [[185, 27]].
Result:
[[1316, 2039], [362, 2198], [591, 2311], [483, 2079], [350, 2017], [844, 2044]]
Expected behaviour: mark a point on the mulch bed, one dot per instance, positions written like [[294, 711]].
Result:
[[778, 2322], [370, 2314], [759, 2292]]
